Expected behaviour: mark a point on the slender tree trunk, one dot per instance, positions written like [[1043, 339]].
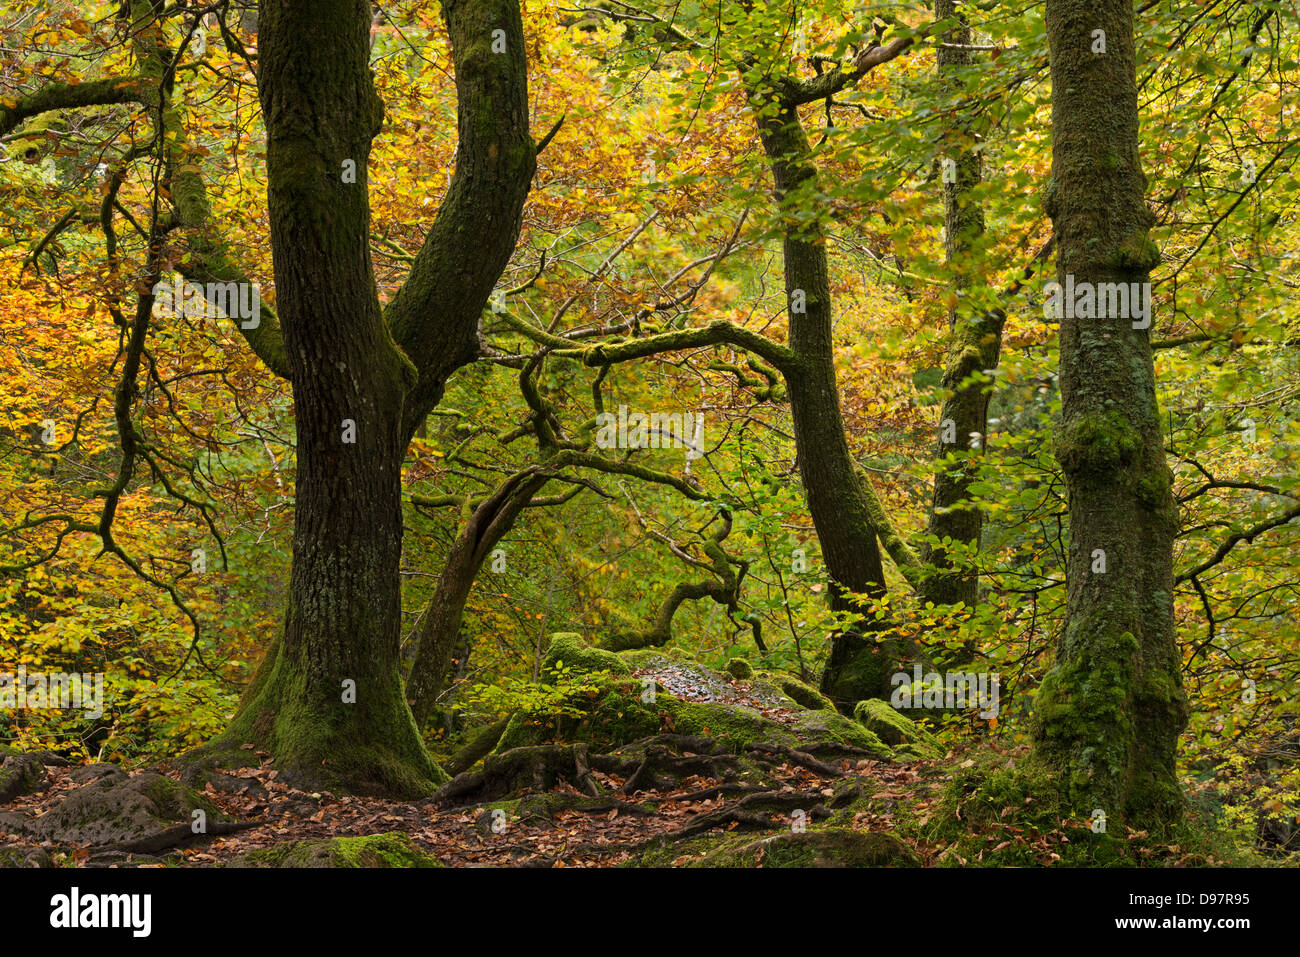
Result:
[[858, 667], [975, 342], [439, 629], [1110, 710]]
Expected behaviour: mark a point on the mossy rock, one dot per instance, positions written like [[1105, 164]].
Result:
[[393, 849], [740, 669], [618, 716], [21, 774], [880, 718], [24, 857], [619, 713], [658, 657], [736, 724], [615, 717], [833, 726], [798, 691], [118, 809], [821, 847], [995, 792], [568, 648]]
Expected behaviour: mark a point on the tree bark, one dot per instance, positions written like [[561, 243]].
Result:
[[858, 667], [327, 701], [439, 627], [975, 343], [1109, 712]]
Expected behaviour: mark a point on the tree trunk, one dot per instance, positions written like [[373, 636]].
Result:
[[327, 701], [439, 628], [858, 667], [1109, 712], [974, 345]]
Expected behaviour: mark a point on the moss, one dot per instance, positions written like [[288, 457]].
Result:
[[1080, 714], [893, 728], [1083, 726], [371, 747], [738, 725], [1051, 198], [618, 716], [833, 726], [1138, 253], [1155, 492], [859, 667], [181, 800], [1097, 444], [657, 657], [993, 798], [800, 692], [24, 857], [393, 849], [615, 717], [740, 669], [569, 648], [818, 847]]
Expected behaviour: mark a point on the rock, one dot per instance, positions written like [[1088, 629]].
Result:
[[830, 847], [50, 759], [21, 774], [229, 784], [819, 847], [891, 727], [800, 692], [569, 649], [93, 772], [740, 669], [832, 726], [24, 857], [116, 809], [619, 715], [393, 849]]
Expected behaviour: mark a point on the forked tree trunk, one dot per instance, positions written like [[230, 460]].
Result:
[[327, 702]]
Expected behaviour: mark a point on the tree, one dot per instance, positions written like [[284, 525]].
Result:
[[1109, 712], [976, 337], [329, 695]]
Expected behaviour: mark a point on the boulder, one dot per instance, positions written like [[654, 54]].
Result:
[[893, 728], [740, 669], [21, 774], [393, 849], [119, 810], [568, 648]]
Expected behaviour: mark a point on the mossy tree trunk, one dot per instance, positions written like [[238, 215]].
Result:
[[438, 631], [976, 336], [837, 501], [1109, 712], [328, 701]]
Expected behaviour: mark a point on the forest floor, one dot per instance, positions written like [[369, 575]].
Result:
[[785, 783], [591, 833]]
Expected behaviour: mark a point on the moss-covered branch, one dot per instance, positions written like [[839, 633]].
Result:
[[718, 332], [65, 96]]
